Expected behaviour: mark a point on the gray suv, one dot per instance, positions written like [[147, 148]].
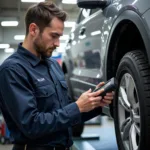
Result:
[[112, 39]]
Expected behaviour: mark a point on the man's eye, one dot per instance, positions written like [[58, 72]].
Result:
[[54, 36]]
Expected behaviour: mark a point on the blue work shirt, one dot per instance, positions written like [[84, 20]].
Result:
[[35, 103]]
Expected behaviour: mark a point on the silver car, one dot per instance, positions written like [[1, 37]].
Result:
[[112, 39]]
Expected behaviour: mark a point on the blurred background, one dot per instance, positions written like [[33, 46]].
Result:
[[12, 27], [12, 32]]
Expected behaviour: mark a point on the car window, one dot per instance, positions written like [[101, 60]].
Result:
[[84, 14], [94, 10]]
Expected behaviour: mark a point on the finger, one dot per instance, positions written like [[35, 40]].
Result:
[[102, 104], [98, 98], [100, 84], [108, 97], [106, 101], [88, 91], [110, 94], [95, 99], [95, 104], [94, 94]]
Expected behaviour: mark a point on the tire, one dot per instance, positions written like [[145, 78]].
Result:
[[132, 102]]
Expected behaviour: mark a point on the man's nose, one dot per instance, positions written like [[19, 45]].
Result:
[[57, 43]]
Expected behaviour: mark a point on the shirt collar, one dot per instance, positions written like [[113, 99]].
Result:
[[31, 58]]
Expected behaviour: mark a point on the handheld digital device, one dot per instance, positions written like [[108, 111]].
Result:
[[109, 86]]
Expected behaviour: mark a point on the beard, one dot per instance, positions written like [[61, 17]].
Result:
[[41, 48]]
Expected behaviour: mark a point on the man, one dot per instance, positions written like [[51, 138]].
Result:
[[33, 91]]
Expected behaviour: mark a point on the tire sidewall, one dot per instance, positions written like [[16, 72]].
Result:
[[129, 65]]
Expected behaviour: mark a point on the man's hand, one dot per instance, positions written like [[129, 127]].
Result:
[[90, 100], [108, 98]]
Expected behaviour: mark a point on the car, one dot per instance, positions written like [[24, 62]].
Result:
[[111, 38]]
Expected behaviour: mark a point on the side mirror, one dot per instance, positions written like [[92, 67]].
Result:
[[91, 4]]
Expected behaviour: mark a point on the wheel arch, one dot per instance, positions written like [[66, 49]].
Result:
[[127, 22]]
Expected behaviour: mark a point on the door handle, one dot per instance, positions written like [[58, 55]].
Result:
[[82, 30]]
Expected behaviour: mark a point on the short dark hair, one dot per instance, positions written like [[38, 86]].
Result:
[[42, 14]]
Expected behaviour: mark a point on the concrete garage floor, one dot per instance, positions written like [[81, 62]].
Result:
[[105, 133]]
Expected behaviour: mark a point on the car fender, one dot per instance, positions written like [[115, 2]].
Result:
[[144, 30], [139, 22]]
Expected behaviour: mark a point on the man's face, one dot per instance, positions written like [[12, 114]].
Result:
[[47, 41]]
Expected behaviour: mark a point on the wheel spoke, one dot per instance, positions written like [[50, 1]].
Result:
[[123, 100], [137, 129], [132, 138], [130, 89], [129, 113], [136, 118], [136, 106], [125, 128]]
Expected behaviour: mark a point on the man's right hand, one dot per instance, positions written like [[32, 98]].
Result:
[[89, 100]]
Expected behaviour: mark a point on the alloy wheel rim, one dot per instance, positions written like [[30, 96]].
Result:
[[129, 113]]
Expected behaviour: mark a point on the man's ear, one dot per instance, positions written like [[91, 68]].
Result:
[[33, 29]]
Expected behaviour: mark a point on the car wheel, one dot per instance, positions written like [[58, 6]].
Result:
[[132, 102]]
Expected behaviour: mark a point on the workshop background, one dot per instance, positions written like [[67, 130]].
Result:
[[99, 132]]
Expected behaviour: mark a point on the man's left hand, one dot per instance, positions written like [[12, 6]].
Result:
[[107, 98]]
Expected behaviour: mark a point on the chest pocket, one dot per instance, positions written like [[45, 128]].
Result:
[[44, 91], [45, 96]]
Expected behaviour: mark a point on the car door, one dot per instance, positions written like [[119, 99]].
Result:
[[86, 51]]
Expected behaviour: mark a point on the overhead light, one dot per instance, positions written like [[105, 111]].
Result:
[[19, 37], [9, 50], [64, 37], [9, 23], [69, 1], [32, 1], [69, 24], [2, 46]]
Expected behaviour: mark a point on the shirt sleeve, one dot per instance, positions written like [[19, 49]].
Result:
[[19, 101], [93, 113]]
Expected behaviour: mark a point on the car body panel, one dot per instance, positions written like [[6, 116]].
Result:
[[88, 53]]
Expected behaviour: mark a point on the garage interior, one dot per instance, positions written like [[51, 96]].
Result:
[[96, 135]]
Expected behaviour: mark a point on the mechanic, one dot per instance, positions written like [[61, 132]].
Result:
[[33, 93]]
